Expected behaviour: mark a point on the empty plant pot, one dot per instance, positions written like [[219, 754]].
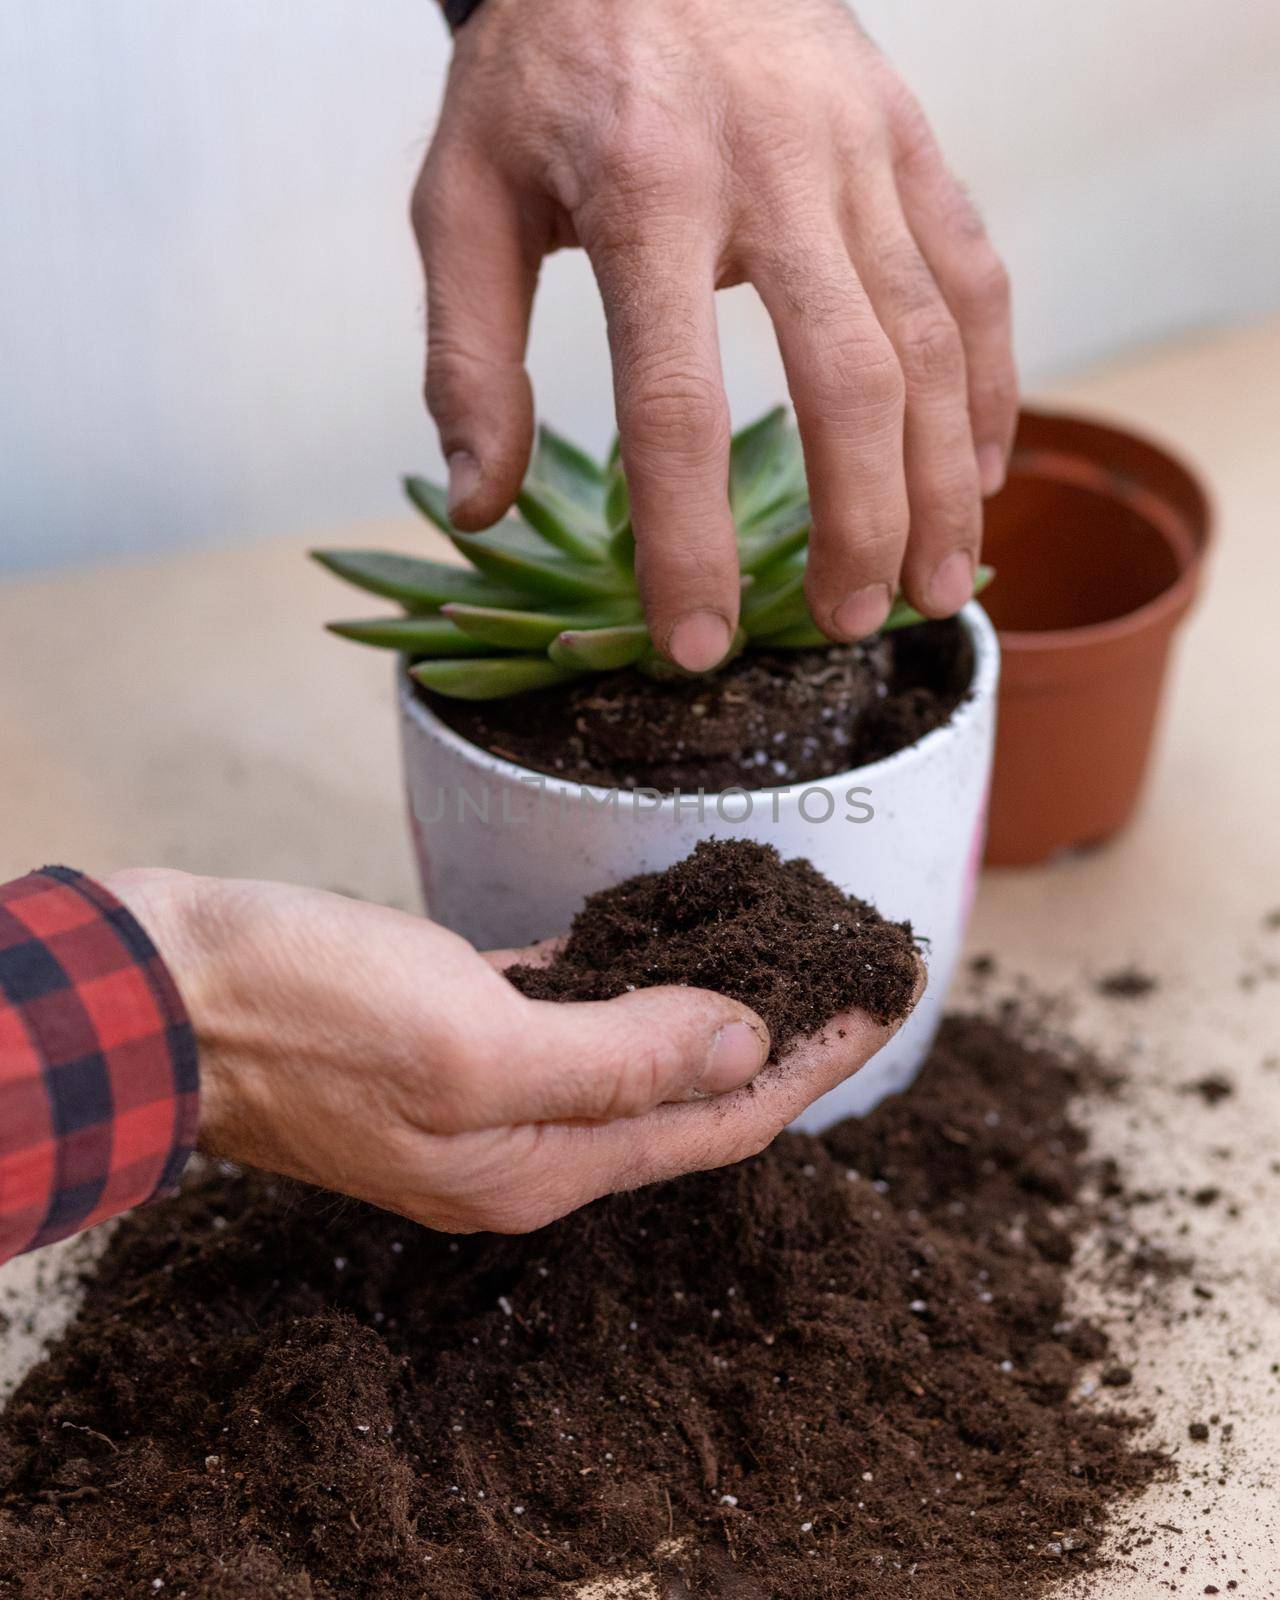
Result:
[[1098, 540]]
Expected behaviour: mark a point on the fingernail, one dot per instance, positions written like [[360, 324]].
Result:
[[737, 1053], [952, 583], [863, 611], [464, 478], [991, 469], [699, 641]]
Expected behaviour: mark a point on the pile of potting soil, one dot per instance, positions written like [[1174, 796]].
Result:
[[767, 718], [843, 1369], [734, 917]]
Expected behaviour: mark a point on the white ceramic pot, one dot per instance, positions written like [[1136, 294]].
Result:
[[508, 855]]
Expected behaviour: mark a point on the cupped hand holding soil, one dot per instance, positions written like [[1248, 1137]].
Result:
[[379, 1055]]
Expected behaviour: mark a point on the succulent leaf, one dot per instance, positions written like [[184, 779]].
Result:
[[776, 599], [419, 584], [427, 636], [535, 630], [558, 464], [904, 615], [491, 677], [526, 563], [806, 635], [617, 503], [766, 468], [622, 549], [561, 522], [431, 500], [601, 649], [774, 536]]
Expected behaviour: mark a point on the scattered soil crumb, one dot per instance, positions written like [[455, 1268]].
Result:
[[1213, 1088], [1126, 983]]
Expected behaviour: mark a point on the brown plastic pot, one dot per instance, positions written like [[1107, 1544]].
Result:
[[1098, 541]]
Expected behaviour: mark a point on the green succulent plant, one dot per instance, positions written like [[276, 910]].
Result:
[[550, 595]]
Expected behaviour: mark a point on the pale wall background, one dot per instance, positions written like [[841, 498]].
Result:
[[209, 304]]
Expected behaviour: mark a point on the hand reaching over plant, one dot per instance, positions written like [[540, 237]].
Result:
[[687, 145], [554, 594], [379, 1055]]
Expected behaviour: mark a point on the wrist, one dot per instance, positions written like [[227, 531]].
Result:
[[179, 912]]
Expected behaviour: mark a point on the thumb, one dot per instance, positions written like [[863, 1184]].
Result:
[[600, 1060], [481, 269]]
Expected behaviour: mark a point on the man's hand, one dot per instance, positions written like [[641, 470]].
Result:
[[687, 145], [377, 1054]]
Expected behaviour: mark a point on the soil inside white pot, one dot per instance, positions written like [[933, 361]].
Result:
[[768, 718]]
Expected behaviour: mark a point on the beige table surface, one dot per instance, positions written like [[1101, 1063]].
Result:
[[189, 712]]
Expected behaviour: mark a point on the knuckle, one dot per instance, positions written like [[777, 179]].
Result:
[[931, 349], [861, 375], [640, 1079], [436, 187], [514, 1214], [907, 274], [643, 151], [752, 1140], [858, 552], [421, 205], [445, 384], [950, 511], [986, 291], [448, 356], [625, 157], [448, 1104], [996, 394], [815, 293], [669, 410], [960, 214], [674, 566], [461, 377], [917, 147]]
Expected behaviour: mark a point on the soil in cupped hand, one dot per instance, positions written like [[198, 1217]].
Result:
[[734, 917], [768, 719]]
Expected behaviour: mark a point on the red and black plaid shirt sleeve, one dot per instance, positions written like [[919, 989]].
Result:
[[98, 1079]]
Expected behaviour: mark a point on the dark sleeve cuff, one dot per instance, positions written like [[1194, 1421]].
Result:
[[456, 12], [99, 1091]]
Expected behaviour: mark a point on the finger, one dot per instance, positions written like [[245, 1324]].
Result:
[[938, 448], [848, 391], [673, 421], [481, 261], [541, 954], [599, 1060], [581, 1163], [973, 282]]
